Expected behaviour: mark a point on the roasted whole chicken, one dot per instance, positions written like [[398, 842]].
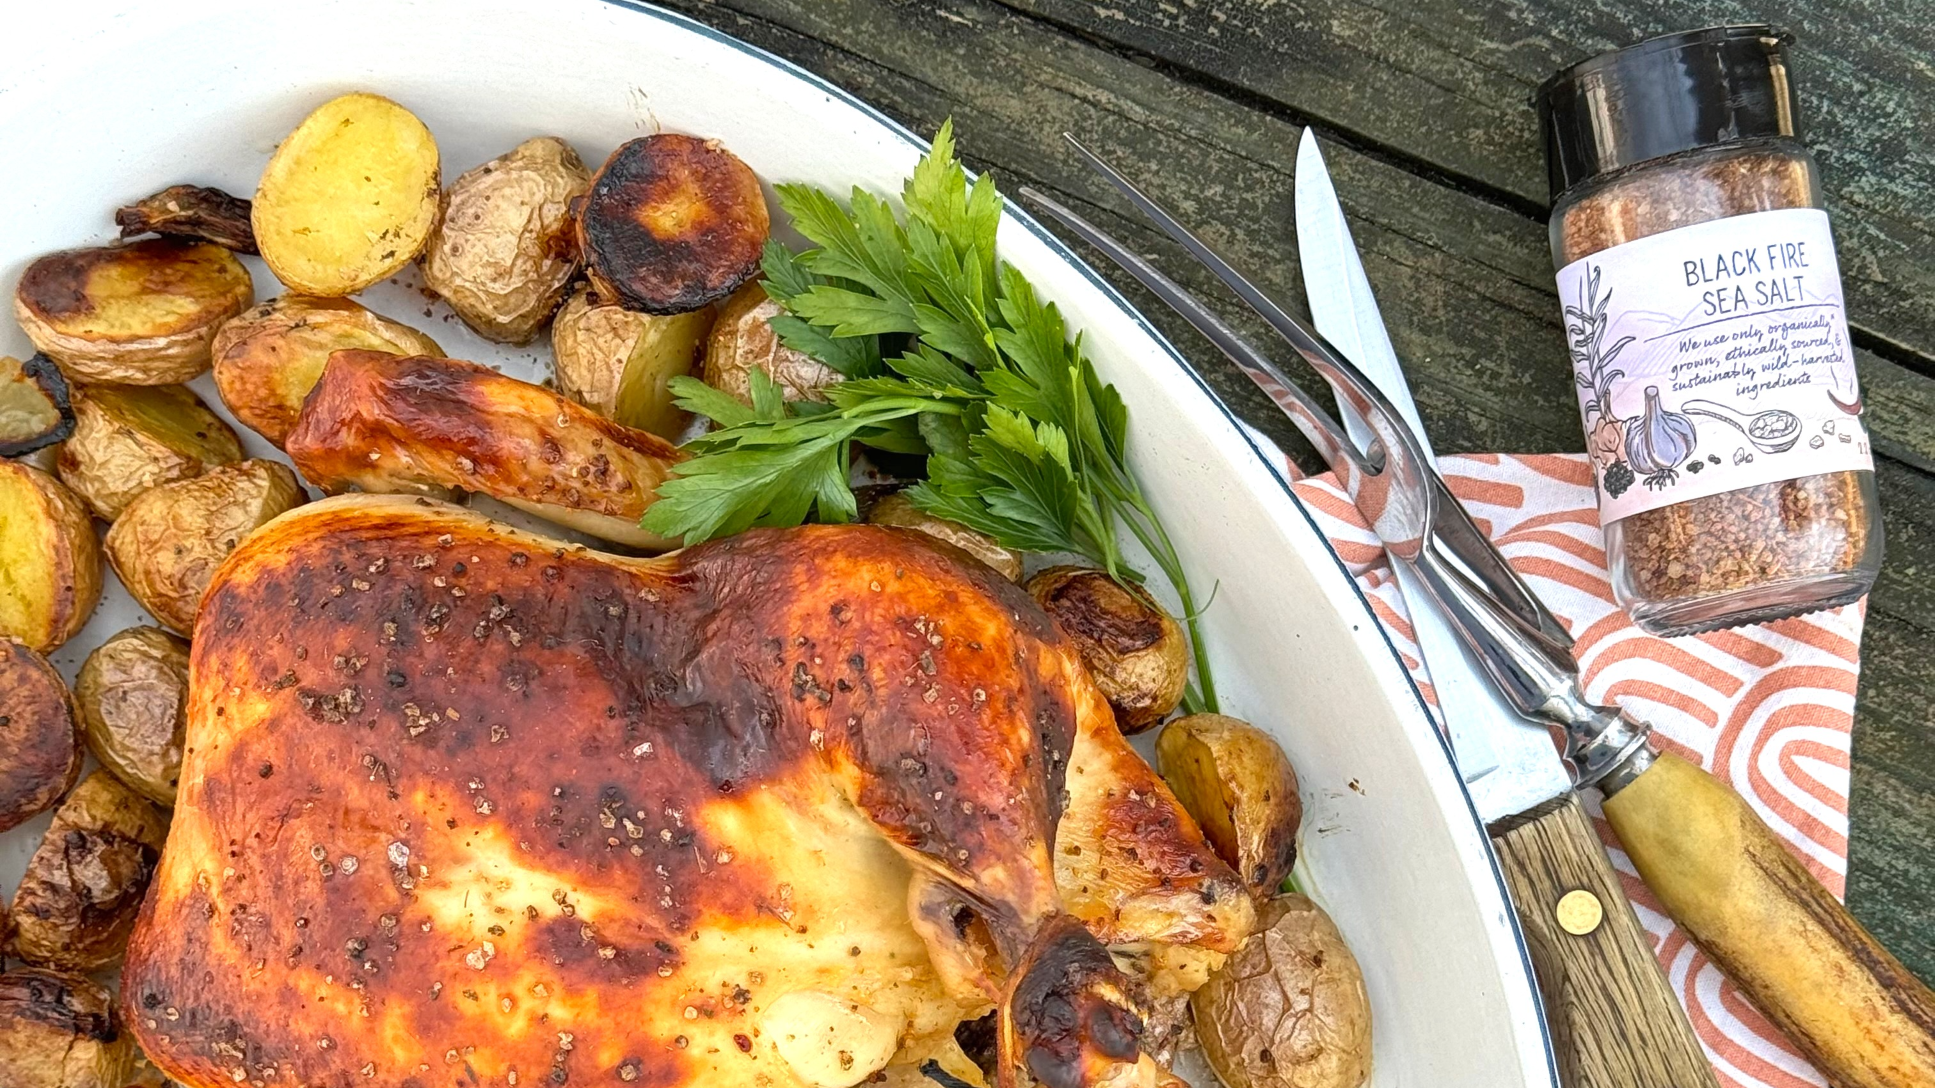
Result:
[[466, 806]]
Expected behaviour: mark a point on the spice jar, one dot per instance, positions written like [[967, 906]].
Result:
[[1703, 311]]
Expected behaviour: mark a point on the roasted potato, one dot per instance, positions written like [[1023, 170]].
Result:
[[418, 425], [142, 313], [36, 407], [1289, 1009], [505, 249], [897, 510], [1240, 788], [672, 223], [1132, 648], [40, 750], [620, 363], [59, 1030], [128, 438], [348, 198], [193, 212], [743, 339], [50, 560], [168, 542], [132, 693], [76, 905]]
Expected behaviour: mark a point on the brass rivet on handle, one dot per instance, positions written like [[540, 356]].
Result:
[[1579, 912]]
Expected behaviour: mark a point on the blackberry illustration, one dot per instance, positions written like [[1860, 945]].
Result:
[[1617, 479]]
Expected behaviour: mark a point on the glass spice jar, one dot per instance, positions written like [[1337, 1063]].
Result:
[[1703, 311]]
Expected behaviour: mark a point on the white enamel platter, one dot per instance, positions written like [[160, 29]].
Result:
[[102, 102]]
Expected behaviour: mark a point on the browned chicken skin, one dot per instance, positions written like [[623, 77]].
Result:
[[462, 806]]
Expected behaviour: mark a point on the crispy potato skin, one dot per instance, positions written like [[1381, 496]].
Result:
[[40, 752], [51, 555], [136, 314], [268, 357], [1135, 651], [1240, 787], [77, 903], [59, 1030], [505, 247], [896, 509], [132, 693], [620, 363], [166, 545], [190, 211], [120, 449], [743, 339], [379, 423], [36, 406], [672, 223]]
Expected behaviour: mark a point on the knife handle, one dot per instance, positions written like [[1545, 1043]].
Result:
[[1862, 1018], [1615, 1021]]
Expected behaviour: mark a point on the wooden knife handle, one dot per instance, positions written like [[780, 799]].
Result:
[[1614, 1019], [1792, 947]]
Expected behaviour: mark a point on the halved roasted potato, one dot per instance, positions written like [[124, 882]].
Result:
[[620, 363], [132, 693], [168, 542], [896, 509], [1242, 791], [190, 211], [349, 197], [505, 249], [128, 438], [268, 357], [141, 313], [1134, 650], [743, 340], [40, 751], [50, 560], [60, 1030], [672, 223], [76, 905], [36, 407]]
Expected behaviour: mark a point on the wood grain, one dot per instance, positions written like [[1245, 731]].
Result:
[[1616, 1023]]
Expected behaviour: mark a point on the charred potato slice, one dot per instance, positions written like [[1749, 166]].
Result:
[[168, 542], [1289, 1009], [132, 693], [620, 363], [1240, 788], [36, 407], [348, 198], [505, 249], [128, 438], [743, 340], [897, 510], [76, 905], [50, 560], [268, 357], [1133, 649], [192, 212], [135, 314], [40, 752], [59, 1030], [672, 223]]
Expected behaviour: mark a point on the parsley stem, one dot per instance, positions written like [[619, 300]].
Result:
[[1155, 539]]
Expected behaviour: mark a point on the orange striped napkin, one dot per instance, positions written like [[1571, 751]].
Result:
[[1767, 708]]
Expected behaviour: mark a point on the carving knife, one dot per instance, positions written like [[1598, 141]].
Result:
[[1717, 869]]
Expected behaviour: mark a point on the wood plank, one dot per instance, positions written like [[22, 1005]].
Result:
[[1465, 281]]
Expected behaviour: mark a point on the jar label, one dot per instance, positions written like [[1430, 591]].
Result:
[[1711, 358]]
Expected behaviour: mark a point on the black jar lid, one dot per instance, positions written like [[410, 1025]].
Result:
[[1665, 95]]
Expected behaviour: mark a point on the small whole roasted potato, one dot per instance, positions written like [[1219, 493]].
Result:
[[348, 198], [1289, 1009], [142, 313], [268, 357], [60, 1030], [1133, 649], [190, 211], [620, 363], [743, 340], [128, 438], [897, 510], [77, 903], [36, 407], [40, 751], [132, 693], [672, 223], [1242, 791], [50, 556], [505, 249], [168, 542]]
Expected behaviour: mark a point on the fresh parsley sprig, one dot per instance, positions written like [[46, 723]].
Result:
[[946, 352]]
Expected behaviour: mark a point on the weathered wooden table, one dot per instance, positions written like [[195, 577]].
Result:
[[1434, 145]]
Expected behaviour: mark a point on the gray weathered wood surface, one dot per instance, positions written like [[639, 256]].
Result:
[[1434, 147]]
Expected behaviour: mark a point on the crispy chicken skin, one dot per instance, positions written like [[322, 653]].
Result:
[[465, 806]]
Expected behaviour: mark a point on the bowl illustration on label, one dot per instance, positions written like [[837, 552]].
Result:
[[1772, 431]]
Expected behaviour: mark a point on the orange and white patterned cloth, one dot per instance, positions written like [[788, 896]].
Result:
[[1767, 708]]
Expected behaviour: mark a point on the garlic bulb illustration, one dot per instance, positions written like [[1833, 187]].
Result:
[[1657, 440]]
